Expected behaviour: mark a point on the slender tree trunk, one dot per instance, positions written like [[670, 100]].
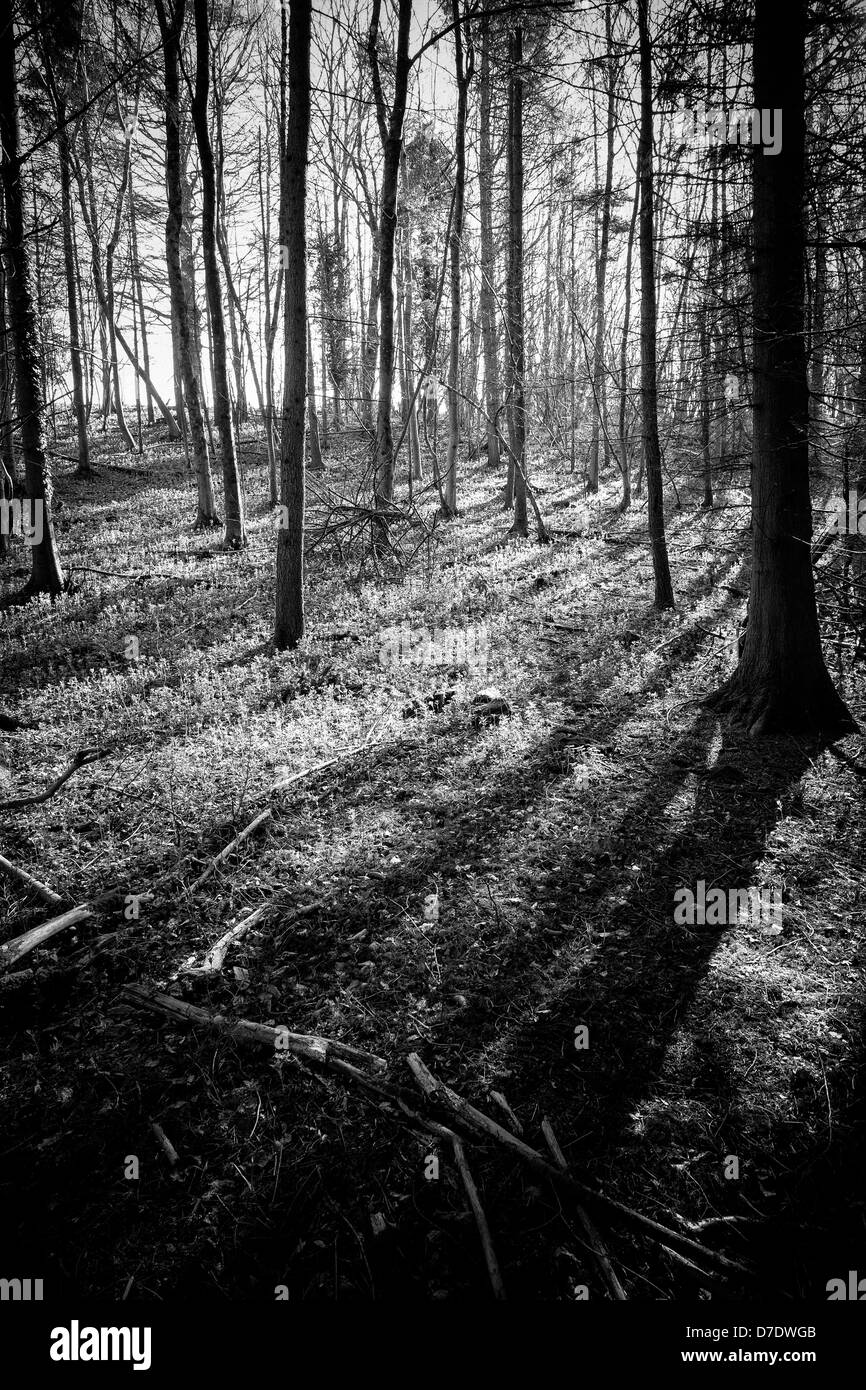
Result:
[[289, 623], [391, 132], [599, 415], [781, 685], [664, 596], [171, 37], [517, 412], [139, 296], [71, 271], [235, 529], [463, 76], [46, 575], [315, 460]]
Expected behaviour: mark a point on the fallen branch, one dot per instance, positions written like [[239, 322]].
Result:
[[220, 858], [28, 881], [81, 759], [594, 1240], [480, 1220], [12, 951], [215, 958], [481, 1123], [307, 1045], [9, 723]]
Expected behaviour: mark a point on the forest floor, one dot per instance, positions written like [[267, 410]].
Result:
[[553, 841]]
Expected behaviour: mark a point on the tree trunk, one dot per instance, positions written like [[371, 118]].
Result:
[[46, 575], [71, 272], [517, 412], [664, 596], [391, 133], [599, 415], [289, 623], [463, 75], [171, 37], [781, 685], [235, 529]]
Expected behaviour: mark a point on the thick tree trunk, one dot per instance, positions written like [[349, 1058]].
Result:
[[781, 685], [46, 575], [289, 622], [171, 36], [664, 596], [235, 529]]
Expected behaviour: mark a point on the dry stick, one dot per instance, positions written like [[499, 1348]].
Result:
[[12, 951], [480, 1220], [82, 757], [12, 871], [220, 858], [170, 1151], [482, 1123], [594, 1240], [279, 1039], [264, 816], [215, 958], [392, 1096]]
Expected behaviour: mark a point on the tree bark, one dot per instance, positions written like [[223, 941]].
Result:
[[664, 596], [781, 684], [171, 36], [289, 623], [46, 574], [391, 133], [235, 529], [516, 353]]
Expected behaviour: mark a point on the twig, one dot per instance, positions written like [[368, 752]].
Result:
[[594, 1240], [21, 875], [480, 1220], [482, 1123], [220, 858], [82, 757]]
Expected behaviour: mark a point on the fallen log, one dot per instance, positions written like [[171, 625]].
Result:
[[21, 876], [12, 951]]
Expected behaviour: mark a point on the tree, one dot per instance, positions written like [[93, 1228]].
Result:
[[664, 595], [391, 135], [781, 684], [180, 316], [46, 575], [289, 623], [235, 528]]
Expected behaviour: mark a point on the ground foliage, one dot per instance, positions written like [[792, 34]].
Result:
[[553, 839]]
